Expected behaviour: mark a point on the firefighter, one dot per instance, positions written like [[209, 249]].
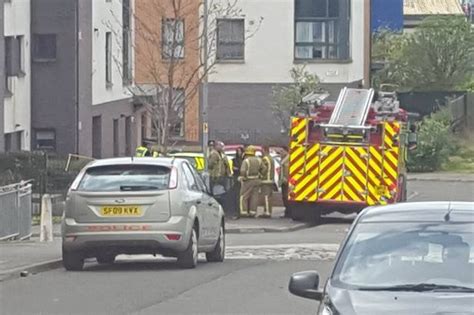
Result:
[[267, 176], [216, 166], [283, 182], [250, 183], [143, 150], [236, 165]]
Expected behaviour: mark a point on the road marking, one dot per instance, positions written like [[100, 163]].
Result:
[[412, 195], [279, 252]]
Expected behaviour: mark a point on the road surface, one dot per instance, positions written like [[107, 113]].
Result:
[[253, 279]]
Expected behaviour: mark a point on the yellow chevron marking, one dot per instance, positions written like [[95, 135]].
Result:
[[392, 156], [349, 190], [296, 164], [361, 163], [301, 125], [328, 160]]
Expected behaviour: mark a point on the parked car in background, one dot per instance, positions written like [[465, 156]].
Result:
[[196, 159], [141, 206], [406, 258]]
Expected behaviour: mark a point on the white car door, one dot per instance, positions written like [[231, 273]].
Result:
[[213, 208], [198, 198]]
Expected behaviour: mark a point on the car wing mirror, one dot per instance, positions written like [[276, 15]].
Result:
[[306, 284]]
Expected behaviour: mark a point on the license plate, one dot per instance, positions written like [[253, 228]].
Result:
[[121, 211]]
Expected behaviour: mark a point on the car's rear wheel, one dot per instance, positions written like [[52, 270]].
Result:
[[104, 259], [189, 258], [73, 261], [218, 253]]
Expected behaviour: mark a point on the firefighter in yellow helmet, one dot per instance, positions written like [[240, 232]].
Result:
[[267, 175], [250, 182]]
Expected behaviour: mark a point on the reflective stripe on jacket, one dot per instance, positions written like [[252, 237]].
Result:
[[141, 151], [268, 170], [251, 168]]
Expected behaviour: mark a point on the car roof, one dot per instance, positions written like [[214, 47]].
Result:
[[163, 161], [420, 212], [188, 154]]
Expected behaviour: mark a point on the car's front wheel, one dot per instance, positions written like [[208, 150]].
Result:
[[189, 258], [72, 261], [218, 253]]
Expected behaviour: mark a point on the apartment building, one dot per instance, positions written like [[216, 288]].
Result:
[[15, 93], [167, 56], [81, 64], [329, 37]]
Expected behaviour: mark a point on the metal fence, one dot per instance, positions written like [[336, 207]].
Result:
[[15, 211]]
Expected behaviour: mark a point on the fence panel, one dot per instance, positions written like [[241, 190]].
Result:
[[9, 216], [15, 211], [25, 212]]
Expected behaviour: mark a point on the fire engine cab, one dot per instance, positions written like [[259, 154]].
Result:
[[348, 155]]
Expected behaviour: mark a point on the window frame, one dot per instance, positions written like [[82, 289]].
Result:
[[220, 43], [342, 27], [165, 44], [54, 146], [108, 59], [116, 136]]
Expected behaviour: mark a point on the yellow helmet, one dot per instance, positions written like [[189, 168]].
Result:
[[250, 150]]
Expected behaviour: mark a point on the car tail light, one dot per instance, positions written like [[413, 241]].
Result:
[[173, 237], [173, 178]]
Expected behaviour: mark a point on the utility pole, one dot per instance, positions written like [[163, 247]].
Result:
[[205, 127]]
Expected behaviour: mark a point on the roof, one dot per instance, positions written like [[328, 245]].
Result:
[[166, 161], [188, 154], [420, 212], [432, 7]]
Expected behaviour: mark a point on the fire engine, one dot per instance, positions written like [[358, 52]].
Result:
[[348, 155]]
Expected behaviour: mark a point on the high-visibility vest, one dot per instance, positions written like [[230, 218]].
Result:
[[141, 151]]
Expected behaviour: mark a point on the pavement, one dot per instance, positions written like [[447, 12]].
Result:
[[441, 177], [252, 280]]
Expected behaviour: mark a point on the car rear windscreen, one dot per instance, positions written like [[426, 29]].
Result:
[[125, 178]]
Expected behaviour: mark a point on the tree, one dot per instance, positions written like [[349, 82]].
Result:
[[174, 54], [439, 55], [286, 98]]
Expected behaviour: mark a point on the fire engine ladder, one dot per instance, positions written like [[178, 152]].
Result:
[[350, 113], [352, 108]]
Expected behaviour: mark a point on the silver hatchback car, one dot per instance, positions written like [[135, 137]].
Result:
[[141, 206]]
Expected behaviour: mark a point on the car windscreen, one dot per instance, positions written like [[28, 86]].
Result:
[[381, 255], [125, 178]]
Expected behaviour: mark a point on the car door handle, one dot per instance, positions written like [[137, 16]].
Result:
[[210, 204], [198, 202]]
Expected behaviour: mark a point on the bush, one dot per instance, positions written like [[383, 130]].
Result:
[[436, 143]]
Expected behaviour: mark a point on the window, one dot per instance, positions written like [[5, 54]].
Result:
[[175, 112], [230, 39], [8, 142], [116, 137], [189, 177], [125, 178], [97, 137], [321, 29], [173, 39], [126, 43], [128, 136], [108, 58], [20, 54], [45, 139], [44, 47], [144, 126]]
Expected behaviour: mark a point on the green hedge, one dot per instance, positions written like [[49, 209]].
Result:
[[436, 143], [46, 170]]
